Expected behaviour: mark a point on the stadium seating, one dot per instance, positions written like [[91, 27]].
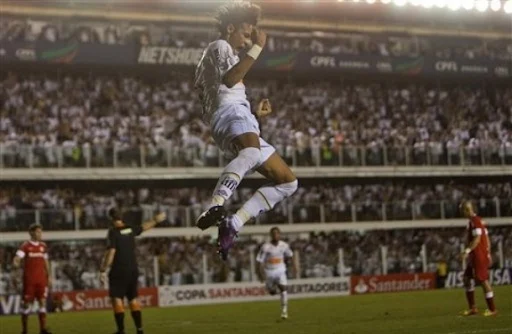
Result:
[[68, 209], [180, 260], [111, 121]]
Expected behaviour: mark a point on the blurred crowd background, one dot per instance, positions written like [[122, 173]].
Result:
[[180, 260]]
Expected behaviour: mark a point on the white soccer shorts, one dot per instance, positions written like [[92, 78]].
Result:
[[233, 120], [275, 279]]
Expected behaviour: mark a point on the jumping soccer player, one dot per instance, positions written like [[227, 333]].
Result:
[[272, 267], [124, 274], [36, 276], [219, 80], [478, 257]]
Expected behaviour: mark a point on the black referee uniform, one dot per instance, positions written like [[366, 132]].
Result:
[[124, 273]]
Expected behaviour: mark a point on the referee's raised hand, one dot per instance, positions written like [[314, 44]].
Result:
[[157, 219], [160, 217]]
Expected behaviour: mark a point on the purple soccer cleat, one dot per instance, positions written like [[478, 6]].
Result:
[[226, 238]]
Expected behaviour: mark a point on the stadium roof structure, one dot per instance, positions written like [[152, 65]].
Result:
[[487, 15]]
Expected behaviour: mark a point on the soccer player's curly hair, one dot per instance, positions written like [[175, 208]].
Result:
[[237, 13]]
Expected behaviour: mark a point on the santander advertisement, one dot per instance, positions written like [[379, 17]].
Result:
[[361, 285], [98, 299]]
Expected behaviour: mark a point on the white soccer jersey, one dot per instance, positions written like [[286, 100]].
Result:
[[218, 58], [273, 256]]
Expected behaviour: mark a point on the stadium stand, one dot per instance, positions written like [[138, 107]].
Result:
[[83, 121], [65, 209], [180, 260]]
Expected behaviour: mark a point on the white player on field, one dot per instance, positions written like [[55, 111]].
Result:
[[271, 260], [235, 129]]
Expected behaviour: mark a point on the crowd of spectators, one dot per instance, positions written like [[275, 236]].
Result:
[[65, 209], [102, 121], [301, 40], [181, 261]]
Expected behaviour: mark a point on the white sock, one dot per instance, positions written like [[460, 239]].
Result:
[[232, 175], [264, 199], [284, 301]]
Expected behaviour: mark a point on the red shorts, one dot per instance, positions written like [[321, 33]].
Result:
[[33, 291], [477, 269]]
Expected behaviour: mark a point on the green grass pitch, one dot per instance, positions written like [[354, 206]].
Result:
[[430, 312]]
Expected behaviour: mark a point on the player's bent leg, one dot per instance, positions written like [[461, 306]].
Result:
[[118, 308], [264, 199], [249, 156], [136, 315]]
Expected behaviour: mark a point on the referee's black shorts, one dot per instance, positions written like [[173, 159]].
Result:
[[122, 285]]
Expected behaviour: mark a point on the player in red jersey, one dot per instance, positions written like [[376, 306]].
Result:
[[36, 276], [478, 259]]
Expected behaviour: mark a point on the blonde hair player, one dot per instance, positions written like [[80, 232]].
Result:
[[478, 260], [234, 127]]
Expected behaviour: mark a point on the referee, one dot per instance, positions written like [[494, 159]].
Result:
[[124, 274]]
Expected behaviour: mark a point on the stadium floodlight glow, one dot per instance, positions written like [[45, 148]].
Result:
[[440, 3], [427, 3], [371, 1], [482, 5], [508, 7], [468, 4], [400, 3], [454, 4], [415, 2], [495, 5], [385, 1]]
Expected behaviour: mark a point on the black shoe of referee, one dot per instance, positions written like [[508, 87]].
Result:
[[212, 216], [45, 331]]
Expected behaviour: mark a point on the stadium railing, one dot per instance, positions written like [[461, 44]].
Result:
[[115, 156], [325, 257], [287, 213]]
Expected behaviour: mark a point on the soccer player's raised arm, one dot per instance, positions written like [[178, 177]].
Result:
[[155, 221], [237, 73]]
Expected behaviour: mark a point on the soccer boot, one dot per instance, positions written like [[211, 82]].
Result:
[[469, 312], [489, 313], [212, 216], [226, 238], [284, 314], [45, 331]]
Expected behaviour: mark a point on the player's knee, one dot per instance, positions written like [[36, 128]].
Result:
[[252, 156], [118, 305], [289, 188], [134, 305]]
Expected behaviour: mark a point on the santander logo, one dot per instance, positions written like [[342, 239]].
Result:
[[392, 283]]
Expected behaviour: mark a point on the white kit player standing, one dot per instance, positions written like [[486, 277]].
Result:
[[272, 267], [235, 129]]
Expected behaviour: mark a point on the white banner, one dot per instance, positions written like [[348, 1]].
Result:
[[250, 291], [496, 277]]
